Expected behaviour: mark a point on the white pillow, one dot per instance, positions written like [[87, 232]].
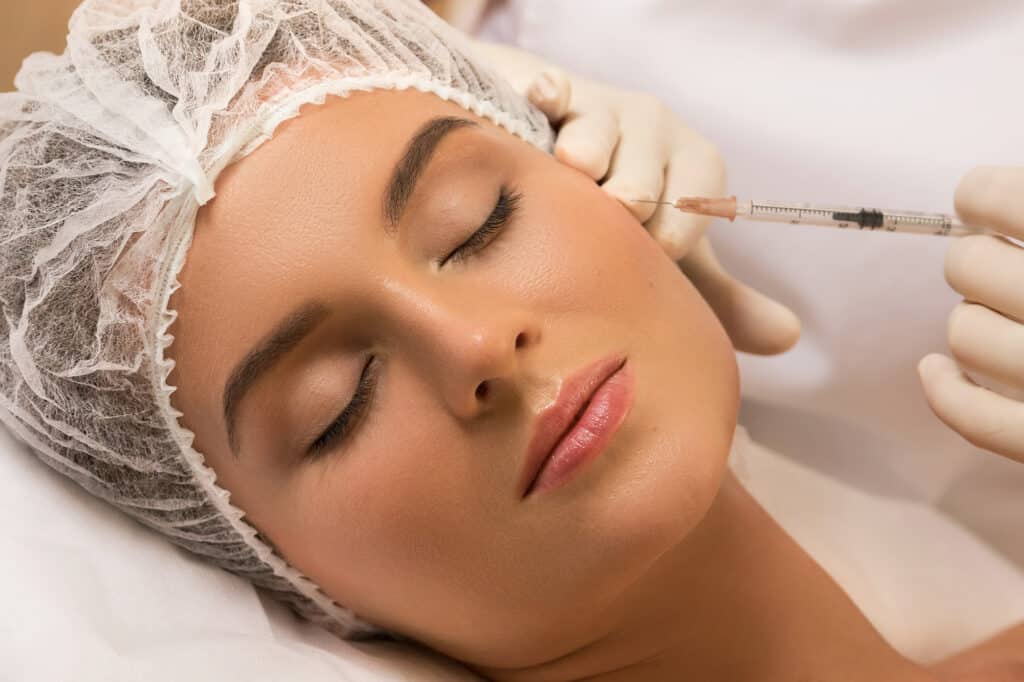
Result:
[[89, 594]]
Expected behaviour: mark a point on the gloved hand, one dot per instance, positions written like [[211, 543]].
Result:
[[986, 331], [639, 149]]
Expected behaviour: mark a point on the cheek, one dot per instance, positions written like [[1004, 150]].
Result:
[[603, 260], [596, 255], [687, 380], [608, 265], [399, 521]]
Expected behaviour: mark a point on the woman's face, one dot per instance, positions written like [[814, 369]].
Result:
[[413, 516]]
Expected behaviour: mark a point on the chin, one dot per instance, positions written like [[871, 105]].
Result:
[[654, 499]]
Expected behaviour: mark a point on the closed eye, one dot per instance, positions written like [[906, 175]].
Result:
[[504, 210], [353, 413]]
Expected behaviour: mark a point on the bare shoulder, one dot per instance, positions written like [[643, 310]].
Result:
[[998, 659]]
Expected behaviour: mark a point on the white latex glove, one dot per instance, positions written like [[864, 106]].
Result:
[[986, 331], [637, 148]]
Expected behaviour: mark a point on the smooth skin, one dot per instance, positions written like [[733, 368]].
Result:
[[652, 563]]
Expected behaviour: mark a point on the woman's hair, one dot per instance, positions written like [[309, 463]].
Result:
[[106, 154]]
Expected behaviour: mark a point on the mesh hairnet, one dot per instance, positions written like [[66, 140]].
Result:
[[106, 153]]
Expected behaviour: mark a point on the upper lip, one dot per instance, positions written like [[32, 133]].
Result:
[[554, 421]]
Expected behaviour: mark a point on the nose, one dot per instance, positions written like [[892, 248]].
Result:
[[471, 349], [485, 366], [479, 359]]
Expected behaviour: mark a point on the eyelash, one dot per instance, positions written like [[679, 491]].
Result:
[[504, 210], [351, 415], [342, 426]]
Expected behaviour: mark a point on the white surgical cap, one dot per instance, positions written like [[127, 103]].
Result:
[[106, 153]]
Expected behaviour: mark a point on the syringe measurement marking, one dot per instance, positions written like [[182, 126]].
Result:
[[863, 219], [799, 213], [941, 225]]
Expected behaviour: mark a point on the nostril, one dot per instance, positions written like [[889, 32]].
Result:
[[520, 339], [481, 390]]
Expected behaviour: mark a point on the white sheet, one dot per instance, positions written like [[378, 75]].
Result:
[[89, 595], [878, 102]]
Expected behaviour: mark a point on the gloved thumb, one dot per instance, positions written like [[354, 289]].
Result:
[[755, 323], [551, 92]]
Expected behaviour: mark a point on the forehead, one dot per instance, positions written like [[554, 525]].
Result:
[[344, 142], [341, 152], [327, 167]]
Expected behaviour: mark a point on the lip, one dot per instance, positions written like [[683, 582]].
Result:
[[601, 393]]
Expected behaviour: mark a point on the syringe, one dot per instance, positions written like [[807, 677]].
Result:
[[858, 218]]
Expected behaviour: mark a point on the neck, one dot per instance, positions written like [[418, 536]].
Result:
[[737, 600]]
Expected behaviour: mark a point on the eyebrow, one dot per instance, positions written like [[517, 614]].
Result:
[[415, 159], [268, 352]]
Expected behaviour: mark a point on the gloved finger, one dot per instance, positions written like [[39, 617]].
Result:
[[985, 342], [637, 173], [551, 92], [993, 196], [990, 270], [755, 323], [587, 140], [695, 169], [984, 418]]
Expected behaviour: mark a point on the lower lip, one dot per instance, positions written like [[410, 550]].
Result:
[[591, 433]]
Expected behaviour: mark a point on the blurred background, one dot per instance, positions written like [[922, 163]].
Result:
[[27, 27]]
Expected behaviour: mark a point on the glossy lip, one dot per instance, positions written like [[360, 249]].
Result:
[[557, 420]]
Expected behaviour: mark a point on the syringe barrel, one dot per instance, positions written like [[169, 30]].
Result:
[[851, 217]]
